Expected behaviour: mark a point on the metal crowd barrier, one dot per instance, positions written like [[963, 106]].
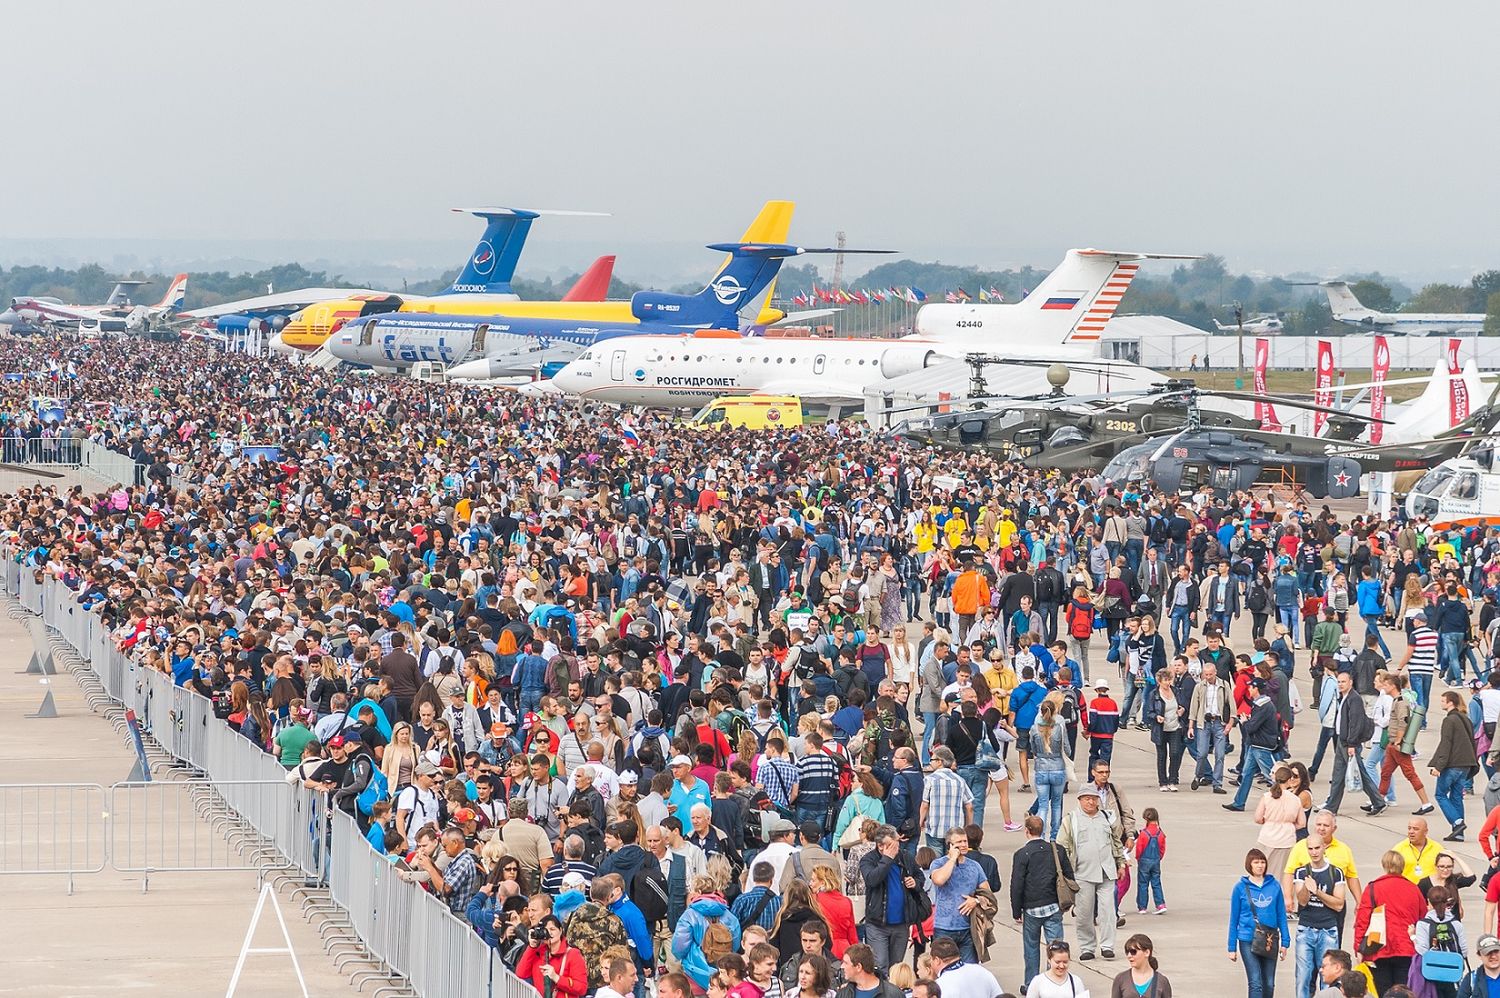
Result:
[[42, 450], [55, 829], [402, 930], [109, 464]]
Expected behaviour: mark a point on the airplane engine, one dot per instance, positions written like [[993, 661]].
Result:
[[905, 360], [277, 323]]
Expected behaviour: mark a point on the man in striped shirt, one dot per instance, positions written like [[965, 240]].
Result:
[[817, 782], [1420, 661]]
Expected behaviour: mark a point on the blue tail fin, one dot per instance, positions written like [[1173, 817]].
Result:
[[493, 262], [741, 284]]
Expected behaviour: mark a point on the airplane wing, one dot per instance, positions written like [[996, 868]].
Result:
[[281, 301]]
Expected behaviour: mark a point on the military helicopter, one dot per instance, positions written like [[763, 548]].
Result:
[[1091, 428], [1161, 433]]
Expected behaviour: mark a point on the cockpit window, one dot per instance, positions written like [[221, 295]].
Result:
[[1466, 487]]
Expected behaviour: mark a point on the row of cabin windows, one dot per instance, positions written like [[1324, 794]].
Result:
[[765, 360]]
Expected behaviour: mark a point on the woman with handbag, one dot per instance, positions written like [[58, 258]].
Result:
[[1258, 931], [1389, 908]]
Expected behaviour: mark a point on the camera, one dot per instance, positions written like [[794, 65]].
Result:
[[538, 934]]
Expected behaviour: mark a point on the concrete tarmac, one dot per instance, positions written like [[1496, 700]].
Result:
[[181, 937], [1206, 848]]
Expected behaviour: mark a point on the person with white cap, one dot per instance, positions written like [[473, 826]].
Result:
[[1098, 860], [687, 789], [1102, 721]]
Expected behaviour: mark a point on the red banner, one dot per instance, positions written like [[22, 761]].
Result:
[[1264, 411], [1381, 368], [1458, 389], [1322, 396]]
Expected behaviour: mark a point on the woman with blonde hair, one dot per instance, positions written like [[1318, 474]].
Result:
[[837, 910], [399, 763]]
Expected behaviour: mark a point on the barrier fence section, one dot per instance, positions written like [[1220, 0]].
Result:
[[409, 930], [42, 450]]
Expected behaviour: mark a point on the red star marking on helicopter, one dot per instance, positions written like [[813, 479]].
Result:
[[1342, 478]]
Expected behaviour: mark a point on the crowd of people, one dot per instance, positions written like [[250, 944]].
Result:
[[729, 713]]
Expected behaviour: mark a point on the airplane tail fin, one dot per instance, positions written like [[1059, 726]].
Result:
[[176, 294], [1342, 301], [772, 225], [491, 266], [594, 284], [743, 285]]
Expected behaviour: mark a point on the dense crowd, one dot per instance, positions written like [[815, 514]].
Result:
[[728, 711]]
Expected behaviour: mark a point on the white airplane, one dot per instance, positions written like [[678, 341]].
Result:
[[117, 315], [1265, 324], [1061, 319], [1347, 308]]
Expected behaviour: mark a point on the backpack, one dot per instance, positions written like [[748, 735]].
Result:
[[377, 790], [850, 594], [593, 929], [1364, 728], [1256, 597], [1440, 936], [1069, 710], [1159, 530], [718, 942], [648, 889], [1080, 622], [738, 725]]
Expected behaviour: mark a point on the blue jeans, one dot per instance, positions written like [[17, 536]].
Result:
[[1421, 687], [1135, 696], [1325, 739], [963, 938], [1222, 621], [1260, 972], [1257, 760], [1372, 771], [1286, 616], [1372, 626], [1033, 931], [1451, 656], [1135, 549], [1049, 798], [1311, 945], [929, 724], [1211, 737], [531, 700], [1450, 794], [1181, 628], [979, 782], [1147, 877]]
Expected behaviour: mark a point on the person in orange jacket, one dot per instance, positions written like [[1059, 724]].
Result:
[[970, 593]]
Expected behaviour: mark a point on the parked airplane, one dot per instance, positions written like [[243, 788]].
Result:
[[1266, 324], [1347, 308], [516, 338], [1058, 321], [505, 345], [117, 315], [1065, 314], [486, 273]]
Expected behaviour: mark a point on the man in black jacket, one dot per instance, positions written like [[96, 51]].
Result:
[[1033, 893], [1050, 588], [1262, 734], [892, 884], [1352, 727], [903, 796]]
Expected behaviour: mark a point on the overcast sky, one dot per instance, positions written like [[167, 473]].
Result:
[[1328, 136]]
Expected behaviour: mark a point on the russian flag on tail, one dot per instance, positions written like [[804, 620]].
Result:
[[1062, 302]]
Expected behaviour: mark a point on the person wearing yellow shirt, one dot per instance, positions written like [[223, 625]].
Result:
[[1324, 825], [1419, 852], [924, 533], [1005, 530], [953, 530]]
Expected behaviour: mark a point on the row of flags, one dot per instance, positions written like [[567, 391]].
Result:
[[880, 296]]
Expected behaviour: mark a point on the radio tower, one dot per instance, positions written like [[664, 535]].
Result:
[[838, 261]]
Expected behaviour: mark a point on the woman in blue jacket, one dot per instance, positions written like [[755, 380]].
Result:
[[1257, 898]]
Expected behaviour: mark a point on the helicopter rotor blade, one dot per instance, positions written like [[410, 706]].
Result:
[[1292, 403], [1121, 442]]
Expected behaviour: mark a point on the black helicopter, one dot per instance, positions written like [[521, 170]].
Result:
[[1162, 433]]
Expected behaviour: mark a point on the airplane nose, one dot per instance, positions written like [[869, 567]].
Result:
[[278, 344]]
